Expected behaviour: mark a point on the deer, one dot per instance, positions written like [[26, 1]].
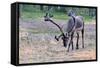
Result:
[[74, 24]]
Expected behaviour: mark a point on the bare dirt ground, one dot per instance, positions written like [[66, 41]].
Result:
[[37, 43]]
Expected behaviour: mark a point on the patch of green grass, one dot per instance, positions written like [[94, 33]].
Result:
[[88, 19], [39, 15], [60, 16], [57, 15], [32, 15]]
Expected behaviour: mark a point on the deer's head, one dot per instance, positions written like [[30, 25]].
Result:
[[71, 13], [65, 39]]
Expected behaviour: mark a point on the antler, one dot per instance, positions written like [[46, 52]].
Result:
[[58, 27], [48, 18]]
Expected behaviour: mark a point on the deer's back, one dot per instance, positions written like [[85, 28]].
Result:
[[78, 23]]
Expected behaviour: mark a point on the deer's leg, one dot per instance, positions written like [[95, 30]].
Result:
[[77, 46], [64, 41], [68, 47], [71, 42], [82, 38]]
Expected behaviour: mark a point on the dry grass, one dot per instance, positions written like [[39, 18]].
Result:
[[44, 48]]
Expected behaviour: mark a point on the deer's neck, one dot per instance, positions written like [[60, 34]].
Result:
[[73, 27], [73, 18]]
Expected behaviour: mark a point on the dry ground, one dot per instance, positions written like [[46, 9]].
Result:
[[37, 43]]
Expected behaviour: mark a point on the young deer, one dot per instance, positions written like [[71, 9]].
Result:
[[75, 24]]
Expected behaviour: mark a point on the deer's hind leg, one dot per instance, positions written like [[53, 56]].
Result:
[[82, 38], [77, 45]]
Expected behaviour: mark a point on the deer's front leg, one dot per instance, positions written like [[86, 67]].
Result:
[[71, 42], [57, 38]]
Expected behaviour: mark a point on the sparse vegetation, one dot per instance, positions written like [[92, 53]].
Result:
[[39, 44]]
